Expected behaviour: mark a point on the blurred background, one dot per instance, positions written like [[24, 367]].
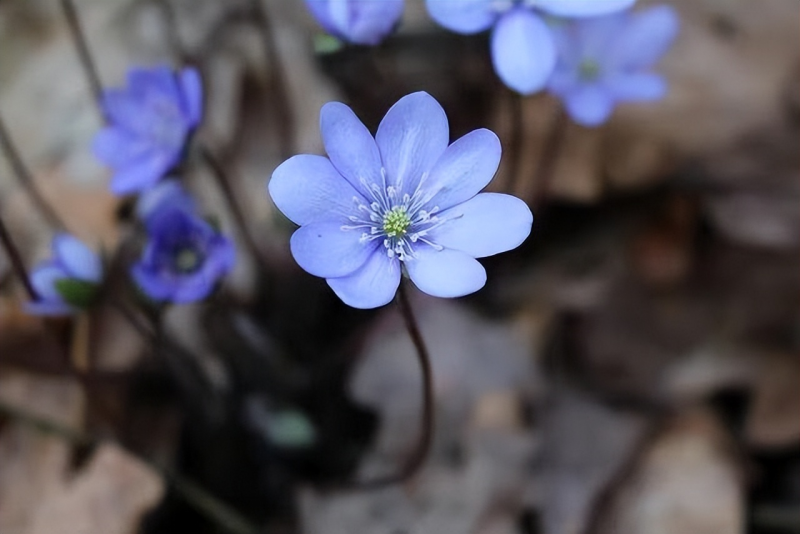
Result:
[[632, 368]]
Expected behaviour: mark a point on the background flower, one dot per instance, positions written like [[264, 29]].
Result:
[[403, 198], [184, 258], [168, 194], [606, 60], [523, 51], [356, 21], [68, 281], [149, 123]]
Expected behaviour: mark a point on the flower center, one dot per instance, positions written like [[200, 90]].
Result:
[[187, 260], [589, 70], [396, 222]]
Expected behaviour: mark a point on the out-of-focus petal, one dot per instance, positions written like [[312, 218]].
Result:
[[168, 194], [324, 249], [350, 146], [191, 85], [43, 279], [153, 82], [155, 286], [78, 260], [445, 273], [373, 21], [465, 168], [140, 175], [463, 16], [308, 188], [583, 8], [116, 148], [411, 138], [488, 224], [589, 105], [373, 284], [523, 51], [646, 37], [48, 308], [320, 9], [636, 87]]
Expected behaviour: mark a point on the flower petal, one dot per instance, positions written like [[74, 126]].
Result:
[[465, 168], [371, 22], [127, 112], [464, 16], [168, 194], [158, 81], [645, 38], [445, 273], [372, 285], [639, 87], [350, 146], [191, 85], [487, 224], [308, 188], [589, 105], [78, 260], [116, 147], [141, 174], [411, 138], [48, 308], [523, 51], [583, 8], [324, 249], [43, 279], [152, 284]]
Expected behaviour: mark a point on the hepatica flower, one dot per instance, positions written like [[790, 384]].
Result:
[[149, 123], [365, 22], [167, 194], [67, 282], [404, 200], [608, 60], [523, 51], [184, 258]]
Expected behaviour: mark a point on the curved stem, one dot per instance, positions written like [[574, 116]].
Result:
[[79, 38], [25, 179], [16, 260]]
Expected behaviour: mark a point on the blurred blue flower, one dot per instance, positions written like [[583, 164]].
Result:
[[357, 21], [522, 46], [167, 194], [404, 198], [67, 282], [148, 125], [607, 60], [184, 258]]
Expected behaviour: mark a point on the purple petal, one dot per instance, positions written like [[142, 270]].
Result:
[[464, 16], [168, 194], [152, 284], [371, 22], [589, 105], [488, 224], [116, 147], [643, 87], [523, 51], [141, 174], [350, 146], [324, 249], [78, 260], [645, 38], [308, 188], [125, 111], [372, 285], [445, 273], [411, 138], [48, 308], [156, 81], [465, 168], [191, 86], [43, 279], [583, 8]]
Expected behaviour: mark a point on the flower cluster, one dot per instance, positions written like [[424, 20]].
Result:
[[406, 199]]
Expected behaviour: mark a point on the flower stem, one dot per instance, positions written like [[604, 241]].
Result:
[[79, 38], [16, 260], [25, 179], [515, 179], [551, 151], [224, 183]]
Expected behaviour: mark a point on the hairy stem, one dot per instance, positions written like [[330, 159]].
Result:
[[25, 179], [16, 260]]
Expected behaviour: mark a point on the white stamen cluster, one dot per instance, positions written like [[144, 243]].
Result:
[[397, 218]]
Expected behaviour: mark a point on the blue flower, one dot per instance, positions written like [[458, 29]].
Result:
[[404, 199], [607, 60], [184, 258], [67, 282], [523, 51], [149, 124], [357, 21], [168, 194]]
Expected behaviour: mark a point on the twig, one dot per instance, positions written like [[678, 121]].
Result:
[[79, 38], [16, 261], [206, 503], [25, 179]]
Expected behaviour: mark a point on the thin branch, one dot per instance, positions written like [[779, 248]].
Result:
[[81, 46], [16, 260], [203, 501], [25, 179]]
